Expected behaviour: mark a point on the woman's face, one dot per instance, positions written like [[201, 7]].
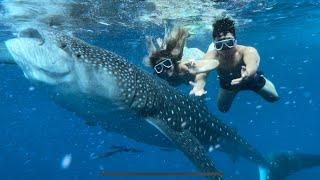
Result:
[[169, 71], [164, 67]]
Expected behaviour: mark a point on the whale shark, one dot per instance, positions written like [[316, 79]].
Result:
[[113, 93]]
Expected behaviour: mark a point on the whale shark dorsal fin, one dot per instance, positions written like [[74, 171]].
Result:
[[190, 146]]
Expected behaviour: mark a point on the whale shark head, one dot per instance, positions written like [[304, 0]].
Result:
[[57, 59], [40, 59]]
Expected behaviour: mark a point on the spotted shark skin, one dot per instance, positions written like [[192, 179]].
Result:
[[185, 120], [154, 99]]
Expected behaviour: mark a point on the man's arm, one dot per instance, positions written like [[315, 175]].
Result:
[[201, 78], [252, 59], [205, 65]]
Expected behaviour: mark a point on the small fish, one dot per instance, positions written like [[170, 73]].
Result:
[[117, 149]]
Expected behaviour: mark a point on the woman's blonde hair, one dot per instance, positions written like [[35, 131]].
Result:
[[170, 47]]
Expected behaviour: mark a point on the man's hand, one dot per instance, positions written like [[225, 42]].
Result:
[[244, 76], [191, 63], [196, 90], [203, 66]]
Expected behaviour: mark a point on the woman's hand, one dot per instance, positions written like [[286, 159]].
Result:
[[196, 90], [192, 66]]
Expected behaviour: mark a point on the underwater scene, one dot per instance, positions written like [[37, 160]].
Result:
[[159, 89]]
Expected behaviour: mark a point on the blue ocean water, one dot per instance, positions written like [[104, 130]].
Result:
[[36, 134]]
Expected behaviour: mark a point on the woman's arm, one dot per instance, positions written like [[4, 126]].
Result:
[[199, 84]]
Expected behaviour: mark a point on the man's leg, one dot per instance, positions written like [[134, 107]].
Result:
[[225, 99], [269, 92]]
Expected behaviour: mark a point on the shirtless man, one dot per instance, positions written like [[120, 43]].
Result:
[[237, 67]]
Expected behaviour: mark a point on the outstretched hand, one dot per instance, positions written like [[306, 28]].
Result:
[[191, 65], [203, 66], [196, 90], [244, 76]]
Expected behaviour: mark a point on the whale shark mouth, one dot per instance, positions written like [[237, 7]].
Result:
[[55, 75]]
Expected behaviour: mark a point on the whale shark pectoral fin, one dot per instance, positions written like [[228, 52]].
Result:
[[191, 147]]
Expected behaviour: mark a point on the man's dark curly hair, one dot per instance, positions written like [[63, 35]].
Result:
[[223, 26]]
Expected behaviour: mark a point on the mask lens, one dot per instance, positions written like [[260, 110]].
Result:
[[230, 43], [218, 45], [225, 44], [167, 63], [158, 68]]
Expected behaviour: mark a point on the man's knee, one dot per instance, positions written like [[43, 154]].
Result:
[[269, 92]]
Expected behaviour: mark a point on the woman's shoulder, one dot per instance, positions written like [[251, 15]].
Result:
[[192, 53]]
